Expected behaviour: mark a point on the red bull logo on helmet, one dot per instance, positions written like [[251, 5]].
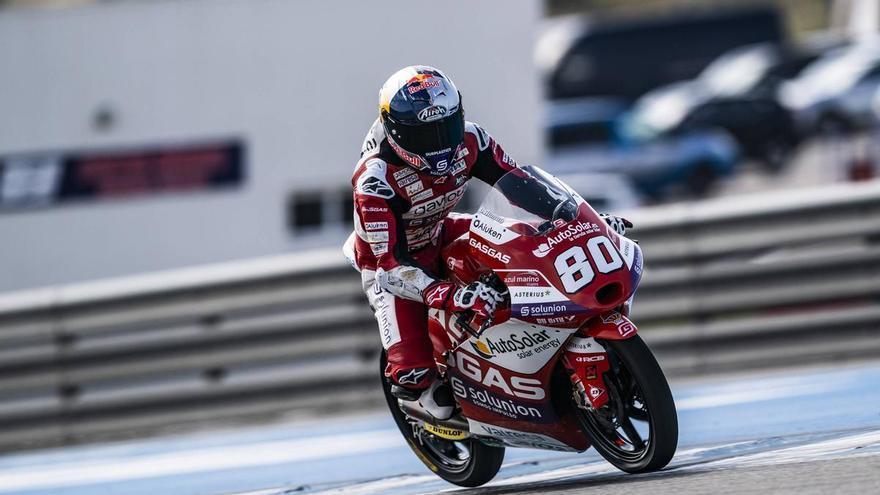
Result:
[[422, 82]]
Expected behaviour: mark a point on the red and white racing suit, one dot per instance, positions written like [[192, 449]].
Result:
[[402, 221]]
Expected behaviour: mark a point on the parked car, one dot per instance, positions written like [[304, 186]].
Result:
[[834, 93], [659, 167], [594, 70], [737, 93], [626, 58], [582, 120]]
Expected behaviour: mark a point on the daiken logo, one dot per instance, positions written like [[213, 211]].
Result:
[[486, 228]]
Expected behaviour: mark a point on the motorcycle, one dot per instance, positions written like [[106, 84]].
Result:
[[567, 370]]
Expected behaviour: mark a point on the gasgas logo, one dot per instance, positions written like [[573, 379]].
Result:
[[573, 231], [517, 386], [498, 255]]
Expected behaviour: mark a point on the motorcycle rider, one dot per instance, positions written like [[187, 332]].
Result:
[[414, 167]]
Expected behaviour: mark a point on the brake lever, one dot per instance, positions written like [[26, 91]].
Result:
[[494, 281], [463, 320]]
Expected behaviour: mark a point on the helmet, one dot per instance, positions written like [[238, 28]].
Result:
[[421, 112]]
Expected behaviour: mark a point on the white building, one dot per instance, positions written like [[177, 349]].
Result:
[[295, 81]]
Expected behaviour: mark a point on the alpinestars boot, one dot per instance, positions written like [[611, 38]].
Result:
[[437, 400]]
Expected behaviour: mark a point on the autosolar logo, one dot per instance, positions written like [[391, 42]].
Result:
[[523, 344], [570, 233], [482, 349]]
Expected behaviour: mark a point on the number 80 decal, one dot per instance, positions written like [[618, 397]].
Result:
[[573, 265]]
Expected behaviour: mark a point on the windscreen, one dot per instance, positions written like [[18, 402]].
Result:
[[530, 197]]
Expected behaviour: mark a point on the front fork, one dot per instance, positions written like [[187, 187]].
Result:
[[587, 361]]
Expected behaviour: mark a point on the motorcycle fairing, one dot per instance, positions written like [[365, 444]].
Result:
[[535, 300], [632, 256], [611, 325], [516, 438], [517, 346], [481, 250], [518, 402], [587, 362]]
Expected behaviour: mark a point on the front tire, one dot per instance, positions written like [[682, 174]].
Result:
[[467, 462], [638, 392]]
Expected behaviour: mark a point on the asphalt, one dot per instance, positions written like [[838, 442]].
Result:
[[774, 432], [856, 475]]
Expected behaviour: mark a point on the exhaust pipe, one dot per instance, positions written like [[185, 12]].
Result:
[[415, 410]]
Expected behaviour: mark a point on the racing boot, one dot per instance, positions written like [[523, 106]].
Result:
[[437, 400]]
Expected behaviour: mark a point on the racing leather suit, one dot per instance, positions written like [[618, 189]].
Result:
[[402, 221]]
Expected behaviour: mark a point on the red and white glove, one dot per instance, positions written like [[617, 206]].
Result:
[[477, 297]]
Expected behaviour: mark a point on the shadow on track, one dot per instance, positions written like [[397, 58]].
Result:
[[692, 462]]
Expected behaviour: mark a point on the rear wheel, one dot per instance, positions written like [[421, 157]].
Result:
[[467, 462], [637, 430]]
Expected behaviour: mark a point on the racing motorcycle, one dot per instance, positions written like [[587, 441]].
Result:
[[567, 370]]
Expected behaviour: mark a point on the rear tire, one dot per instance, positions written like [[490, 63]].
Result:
[[440, 455], [634, 380]]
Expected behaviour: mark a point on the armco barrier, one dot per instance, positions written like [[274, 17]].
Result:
[[729, 284]]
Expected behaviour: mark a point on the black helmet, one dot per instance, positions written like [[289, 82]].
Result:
[[421, 111]]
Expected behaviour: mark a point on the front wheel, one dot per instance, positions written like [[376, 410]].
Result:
[[637, 430], [468, 462]]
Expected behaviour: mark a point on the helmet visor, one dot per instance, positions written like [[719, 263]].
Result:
[[427, 139]]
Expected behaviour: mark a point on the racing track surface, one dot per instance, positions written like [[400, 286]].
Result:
[[789, 431]]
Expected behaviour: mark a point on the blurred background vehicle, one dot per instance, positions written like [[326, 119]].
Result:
[[661, 167], [737, 92], [594, 70], [833, 95], [626, 58], [576, 121]]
